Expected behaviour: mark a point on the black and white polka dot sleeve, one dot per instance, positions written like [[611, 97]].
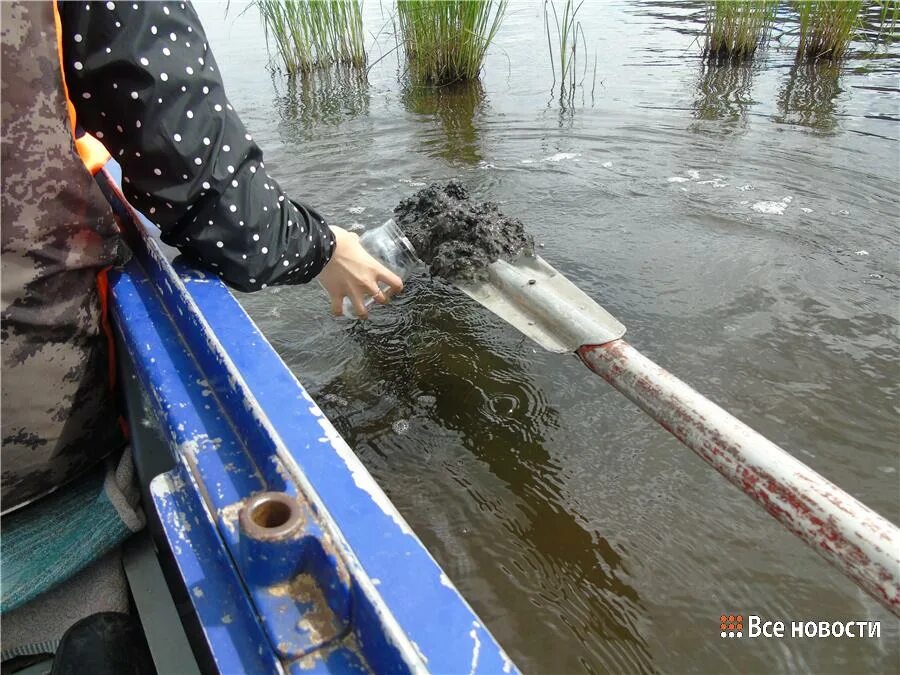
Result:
[[144, 82]]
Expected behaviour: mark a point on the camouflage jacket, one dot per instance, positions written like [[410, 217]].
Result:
[[58, 232]]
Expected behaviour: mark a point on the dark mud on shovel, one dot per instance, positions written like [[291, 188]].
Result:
[[457, 237]]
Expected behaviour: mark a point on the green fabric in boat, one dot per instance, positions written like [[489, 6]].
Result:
[[53, 538]]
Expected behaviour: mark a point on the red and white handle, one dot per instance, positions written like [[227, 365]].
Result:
[[848, 534]]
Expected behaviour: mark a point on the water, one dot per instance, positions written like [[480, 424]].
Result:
[[741, 222]]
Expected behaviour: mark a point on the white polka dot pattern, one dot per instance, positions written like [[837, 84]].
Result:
[[188, 161]]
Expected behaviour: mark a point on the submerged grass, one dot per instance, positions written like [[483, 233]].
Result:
[[735, 29], [827, 27], [313, 33], [446, 40]]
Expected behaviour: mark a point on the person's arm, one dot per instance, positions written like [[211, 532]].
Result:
[[144, 82]]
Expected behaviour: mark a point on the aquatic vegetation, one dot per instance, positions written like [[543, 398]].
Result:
[[446, 40], [734, 30], [886, 14], [568, 30], [313, 33], [826, 27]]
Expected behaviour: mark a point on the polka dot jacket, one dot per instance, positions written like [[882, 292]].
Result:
[[144, 82]]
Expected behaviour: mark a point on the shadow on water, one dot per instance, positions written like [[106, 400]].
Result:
[[723, 93], [469, 405], [809, 96], [323, 96], [456, 108]]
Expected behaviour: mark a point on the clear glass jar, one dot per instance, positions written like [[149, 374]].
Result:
[[387, 244]]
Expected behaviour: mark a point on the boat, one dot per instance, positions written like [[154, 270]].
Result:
[[269, 548]]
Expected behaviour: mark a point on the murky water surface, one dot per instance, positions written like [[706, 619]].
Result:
[[742, 222]]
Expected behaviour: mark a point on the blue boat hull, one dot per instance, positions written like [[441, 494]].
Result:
[[349, 588]]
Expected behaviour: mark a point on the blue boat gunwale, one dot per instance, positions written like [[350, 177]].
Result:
[[285, 447]]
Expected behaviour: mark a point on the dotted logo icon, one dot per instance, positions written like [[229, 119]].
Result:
[[731, 625]]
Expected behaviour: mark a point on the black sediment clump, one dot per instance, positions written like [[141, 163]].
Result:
[[456, 237]]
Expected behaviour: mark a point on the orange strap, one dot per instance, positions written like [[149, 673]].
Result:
[[92, 152], [94, 156]]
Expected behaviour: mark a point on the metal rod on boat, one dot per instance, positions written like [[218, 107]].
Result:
[[852, 537]]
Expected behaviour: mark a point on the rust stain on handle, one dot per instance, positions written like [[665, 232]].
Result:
[[844, 531]]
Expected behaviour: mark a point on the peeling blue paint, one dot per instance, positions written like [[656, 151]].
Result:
[[357, 590]]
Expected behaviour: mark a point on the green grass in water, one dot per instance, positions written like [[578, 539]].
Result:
[[826, 27], [446, 40], [567, 29], [887, 12], [735, 29], [563, 49], [312, 33]]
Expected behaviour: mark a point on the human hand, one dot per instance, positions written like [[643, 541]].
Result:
[[354, 274]]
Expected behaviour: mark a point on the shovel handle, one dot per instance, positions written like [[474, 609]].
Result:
[[852, 537]]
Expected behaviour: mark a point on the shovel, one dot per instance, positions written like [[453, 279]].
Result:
[[539, 301]]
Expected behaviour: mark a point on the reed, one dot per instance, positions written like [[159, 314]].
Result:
[[826, 27], [736, 28], [564, 36], [446, 40], [567, 28], [308, 34], [887, 12]]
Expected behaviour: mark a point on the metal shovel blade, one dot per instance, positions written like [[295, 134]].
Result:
[[539, 301]]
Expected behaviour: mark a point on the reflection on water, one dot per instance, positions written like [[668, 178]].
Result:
[[809, 95], [569, 96], [456, 108], [323, 96], [723, 92]]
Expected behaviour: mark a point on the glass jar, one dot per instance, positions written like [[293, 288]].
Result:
[[387, 244]]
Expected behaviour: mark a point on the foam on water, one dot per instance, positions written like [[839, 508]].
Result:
[[715, 182], [560, 156], [772, 208]]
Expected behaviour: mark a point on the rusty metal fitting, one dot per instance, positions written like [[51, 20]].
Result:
[[271, 516]]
